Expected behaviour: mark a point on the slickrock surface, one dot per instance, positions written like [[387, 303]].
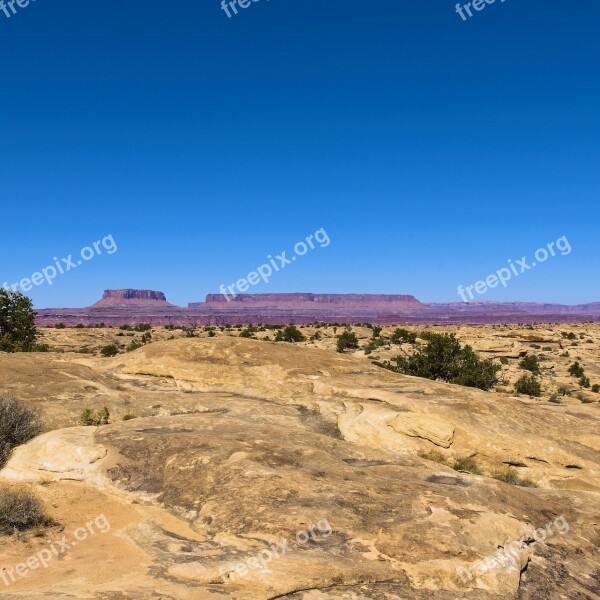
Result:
[[240, 444]]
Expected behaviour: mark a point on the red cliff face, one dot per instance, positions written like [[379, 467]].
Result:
[[132, 298], [132, 307], [312, 301]]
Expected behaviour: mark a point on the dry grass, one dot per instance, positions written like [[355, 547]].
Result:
[[467, 463], [21, 510]]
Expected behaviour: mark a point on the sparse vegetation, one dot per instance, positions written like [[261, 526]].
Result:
[[90, 417], [444, 359], [529, 385], [18, 425], [21, 510], [290, 334], [530, 363], [403, 336], [347, 341], [109, 350], [466, 463], [576, 370]]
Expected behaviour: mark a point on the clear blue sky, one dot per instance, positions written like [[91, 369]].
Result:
[[430, 149]]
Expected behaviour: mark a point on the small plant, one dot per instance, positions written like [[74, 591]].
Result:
[[403, 336], [21, 510], [129, 417], [434, 456], [529, 385], [507, 475], [584, 381], [530, 363], [347, 341], [94, 418], [596, 388], [466, 463], [290, 334], [110, 350], [503, 360], [133, 346], [576, 370], [60, 326], [563, 390], [315, 337], [535, 346], [79, 326]]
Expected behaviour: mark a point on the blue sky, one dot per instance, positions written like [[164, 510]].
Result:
[[429, 148]]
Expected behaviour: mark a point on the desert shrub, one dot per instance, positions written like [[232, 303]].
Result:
[[60, 326], [94, 418], [133, 346], [403, 336], [530, 363], [347, 341], [18, 424], [535, 346], [377, 331], [584, 381], [529, 385], [79, 326], [17, 322], [21, 510], [443, 359], [129, 417], [596, 388], [434, 456], [373, 344], [466, 463], [110, 350], [503, 360], [143, 327], [316, 336], [508, 475], [547, 348], [290, 334], [563, 390], [576, 370]]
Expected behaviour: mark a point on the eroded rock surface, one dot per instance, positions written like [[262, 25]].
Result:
[[243, 448]]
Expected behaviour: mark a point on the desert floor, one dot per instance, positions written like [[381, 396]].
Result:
[[244, 468]]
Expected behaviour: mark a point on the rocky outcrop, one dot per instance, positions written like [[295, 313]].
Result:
[[130, 298]]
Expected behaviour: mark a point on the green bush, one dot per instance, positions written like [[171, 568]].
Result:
[[584, 381], [576, 370], [403, 336], [21, 510], [60, 326], [18, 424], [94, 418], [110, 350], [529, 385], [443, 359], [596, 388], [17, 322], [503, 360], [347, 341], [290, 334], [530, 363]]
